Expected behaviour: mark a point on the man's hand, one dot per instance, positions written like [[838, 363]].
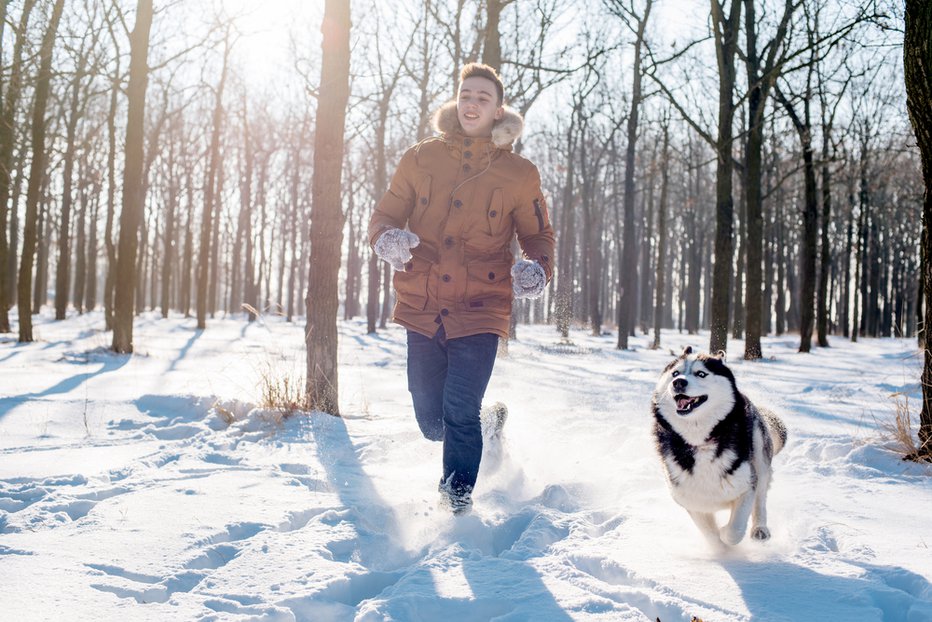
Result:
[[394, 246], [528, 279]]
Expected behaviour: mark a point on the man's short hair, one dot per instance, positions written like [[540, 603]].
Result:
[[473, 70]]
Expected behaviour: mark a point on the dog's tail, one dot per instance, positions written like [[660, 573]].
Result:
[[777, 429]]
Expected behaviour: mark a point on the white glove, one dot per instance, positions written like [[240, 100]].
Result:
[[394, 246], [528, 279]]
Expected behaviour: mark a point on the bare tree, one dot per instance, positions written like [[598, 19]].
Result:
[[761, 65], [327, 215], [133, 192], [7, 123], [662, 233], [628, 284], [37, 174], [210, 191], [917, 61], [80, 96], [726, 30]]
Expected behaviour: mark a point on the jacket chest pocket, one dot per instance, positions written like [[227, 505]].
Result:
[[498, 218], [421, 199]]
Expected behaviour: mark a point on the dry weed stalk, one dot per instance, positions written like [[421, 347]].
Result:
[[900, 430], [282, 391]]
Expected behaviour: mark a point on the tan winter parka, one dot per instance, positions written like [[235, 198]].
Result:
[[466, 199]]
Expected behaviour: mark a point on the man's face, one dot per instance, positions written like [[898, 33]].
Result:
[[477, 106]]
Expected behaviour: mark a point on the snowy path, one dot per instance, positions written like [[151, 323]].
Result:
[[149, 488]]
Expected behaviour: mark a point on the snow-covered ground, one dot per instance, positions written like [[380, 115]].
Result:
[[149, 488]]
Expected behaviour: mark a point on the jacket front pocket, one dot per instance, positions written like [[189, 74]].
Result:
[[488, 286], [411, 285]]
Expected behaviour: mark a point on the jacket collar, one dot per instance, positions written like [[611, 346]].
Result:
[[505, 132]]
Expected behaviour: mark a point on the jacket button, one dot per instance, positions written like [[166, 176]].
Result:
[[467, 154], [468, 142], [457, 203], [444, 312], [466, 167], [491, 276], [448, 242], [493, 214], [423, 200], [446, 278], [409, 265]]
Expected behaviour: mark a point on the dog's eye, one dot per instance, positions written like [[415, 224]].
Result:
[[675, 374], [701, 374]]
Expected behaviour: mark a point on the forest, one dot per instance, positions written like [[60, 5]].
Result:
[[745, 167]]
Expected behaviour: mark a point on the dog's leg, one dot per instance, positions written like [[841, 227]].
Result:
[[733, 532], [759, 529], [705, 521]]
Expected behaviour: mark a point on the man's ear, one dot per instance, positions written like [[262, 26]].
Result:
[[499, 113]]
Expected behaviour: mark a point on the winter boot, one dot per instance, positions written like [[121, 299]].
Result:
[[458, 501]]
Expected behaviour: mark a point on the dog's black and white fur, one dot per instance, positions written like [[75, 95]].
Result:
[[716, 446]]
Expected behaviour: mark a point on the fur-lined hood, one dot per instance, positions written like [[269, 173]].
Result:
[[505, 132]]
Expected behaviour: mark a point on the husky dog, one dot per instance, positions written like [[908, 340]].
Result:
[[716, 446]]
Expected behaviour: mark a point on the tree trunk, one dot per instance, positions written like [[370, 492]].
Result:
[[491, 45], [168, 235], [822, 311], [647, 237], [7, 129], [627, 295], [187, 267], [36, 174], [44, 233], [80, 266], [662, 236], [327, 215], [214, 282], [760, 79], [110, 279], [810, 233], [90, 295], [564, 295], [207, 216], [917, 61], [237, 278], [63, 271], [133, 192], [726, 45], [380, 183]]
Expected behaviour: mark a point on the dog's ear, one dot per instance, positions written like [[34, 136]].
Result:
[[687, 351], [721, 355]]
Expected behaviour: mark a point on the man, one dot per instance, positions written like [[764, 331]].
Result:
[[446, 225]]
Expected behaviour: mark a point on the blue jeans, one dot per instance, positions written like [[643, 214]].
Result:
[[447, 379]]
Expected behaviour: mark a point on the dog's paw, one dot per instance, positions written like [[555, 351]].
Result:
[[730, 536], [760, 533]]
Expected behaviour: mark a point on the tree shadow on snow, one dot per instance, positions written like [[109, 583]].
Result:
[[784, 591], [109, 363], [183, 352]]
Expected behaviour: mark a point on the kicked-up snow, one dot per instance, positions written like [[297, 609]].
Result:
[[150, 487]]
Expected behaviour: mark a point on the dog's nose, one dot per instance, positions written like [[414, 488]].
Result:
[[679, 384]]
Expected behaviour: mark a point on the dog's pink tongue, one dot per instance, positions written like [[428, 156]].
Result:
[[682, 403]]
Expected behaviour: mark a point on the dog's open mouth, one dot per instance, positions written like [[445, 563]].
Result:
[[685, 404]]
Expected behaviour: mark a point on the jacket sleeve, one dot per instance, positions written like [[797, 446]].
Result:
[[395, 207], [532, 223]]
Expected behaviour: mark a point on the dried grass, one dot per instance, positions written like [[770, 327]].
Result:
[[899, 431], [282, 390]]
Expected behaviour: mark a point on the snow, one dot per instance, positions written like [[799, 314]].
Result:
[[149, 487]]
